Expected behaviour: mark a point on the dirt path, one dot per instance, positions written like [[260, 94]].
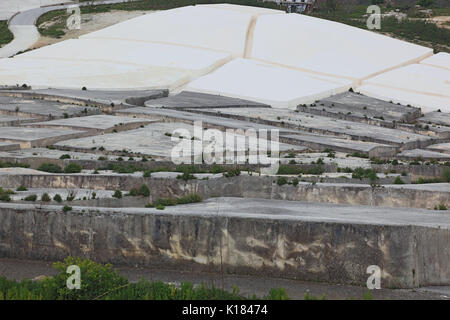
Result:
[[92, 22], [442, 21]]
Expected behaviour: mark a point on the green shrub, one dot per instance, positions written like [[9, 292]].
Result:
[[21, 188], [289, 169], [186, 176], [50, 168], [96, 279], [281, 181], [295, 182], [398, 180], [232, 173], [117, 194], [166, 202], [4, 197], [133, 192], [57, 198], [143, 191], [45, 198], [65, 156], [73, 168], [160, 207], [67, 208], [31, 197], [147, 173]]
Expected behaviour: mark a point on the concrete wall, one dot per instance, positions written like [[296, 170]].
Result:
[[282, 247], [242, 186]]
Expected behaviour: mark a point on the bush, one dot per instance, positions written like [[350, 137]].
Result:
[[133, 192], [147, 173], [281, 181], [45, 198], [166, 202], [57, 198], [4, 197], [65, 156], [289, 169], [143, 191], [73, 168], [67, 208], [160, 207], [31, 197], [21, 188], [50, 168], [446, 175], [96, 279], [186, 176], [398, 180], [232, 173], [117, 194]]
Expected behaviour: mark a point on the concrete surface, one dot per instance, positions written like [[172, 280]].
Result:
[[160, 139], [29, 137], [321, 142], [269, 84], [440, 60], [440, 118], [331, 48], [324, 125], [214, 28], [33, 108], [264, 237], [349, 105], [194, 100], [440, 147], [101, 122], [7, 146], [418, 85], [424, 154]]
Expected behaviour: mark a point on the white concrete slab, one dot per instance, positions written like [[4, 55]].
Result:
[[207, 27], [267, 83], [43, 74], [197, 62], [426, 102], [331, 48], [419, 85], [440, 60]]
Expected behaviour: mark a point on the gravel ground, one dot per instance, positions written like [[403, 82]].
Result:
[[19, 269], [92, 22]]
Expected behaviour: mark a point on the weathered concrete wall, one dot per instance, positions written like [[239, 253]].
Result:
[[242, 186], [275, 246]]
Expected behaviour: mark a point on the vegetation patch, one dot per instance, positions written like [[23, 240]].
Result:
[[102, 282]]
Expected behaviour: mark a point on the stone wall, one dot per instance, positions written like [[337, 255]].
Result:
[[274, 246]]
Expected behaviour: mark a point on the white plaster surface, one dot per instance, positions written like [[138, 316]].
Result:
[[328, 47], [440, 60], [91, 74], [207, 27], [426, 102], [130, 52], [267, 83], [419, 85]]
